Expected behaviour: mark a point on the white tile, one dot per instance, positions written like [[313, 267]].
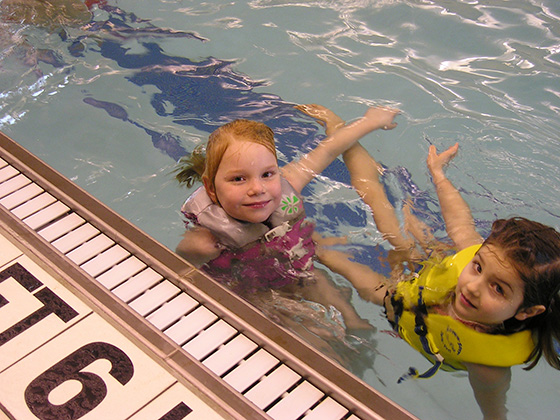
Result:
[[9, 251], [13, 184], [61, 227], [230, 354], [251, 370], [137, 285], [90, 249], [121, 378], [7, 172], [171, 311], [21, 196], [75, 238], [328, 409], [210, 339], [296, 403], [154, 297], [105, 260], [272, 387], [190, 325], [46, 215], [121, 272], [27, 288], [33, 205]]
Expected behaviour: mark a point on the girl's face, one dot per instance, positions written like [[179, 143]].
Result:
[[247, 183], [489, 290]]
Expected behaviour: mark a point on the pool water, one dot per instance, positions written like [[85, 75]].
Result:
[[113, 105]]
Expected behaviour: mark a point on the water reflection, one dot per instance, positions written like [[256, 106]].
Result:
[[484, 73]]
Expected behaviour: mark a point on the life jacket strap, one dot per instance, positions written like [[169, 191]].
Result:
[[428, 344]]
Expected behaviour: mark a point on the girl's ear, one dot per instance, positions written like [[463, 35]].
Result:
[[529, 312], [210, 190]]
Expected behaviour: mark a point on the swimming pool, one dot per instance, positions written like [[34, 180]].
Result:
[[117, 102]]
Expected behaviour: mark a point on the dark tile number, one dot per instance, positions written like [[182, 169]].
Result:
[[94, 389]]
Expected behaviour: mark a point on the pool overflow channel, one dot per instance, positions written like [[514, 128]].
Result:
[[213, 352]]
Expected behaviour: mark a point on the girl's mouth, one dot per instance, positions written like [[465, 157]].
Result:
[[465, 302], [258, 205]]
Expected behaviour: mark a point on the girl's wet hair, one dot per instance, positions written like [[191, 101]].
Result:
[[201, 165], [191, 167], [533, 249]]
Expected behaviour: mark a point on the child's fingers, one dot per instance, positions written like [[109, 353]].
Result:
[[451, 152], [439, 160], [432, 152], [455, 148]]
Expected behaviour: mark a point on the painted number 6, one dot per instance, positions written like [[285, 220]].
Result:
[[93, 390]]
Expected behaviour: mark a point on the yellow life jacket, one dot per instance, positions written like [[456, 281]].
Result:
[[445, 341]]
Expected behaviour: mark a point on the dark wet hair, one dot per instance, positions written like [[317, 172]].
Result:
[[533, 249]]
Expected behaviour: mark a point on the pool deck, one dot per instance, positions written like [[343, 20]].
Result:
[[100, 321]]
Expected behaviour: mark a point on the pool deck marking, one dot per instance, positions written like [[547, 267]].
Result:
[[51, 349], [100, 257]]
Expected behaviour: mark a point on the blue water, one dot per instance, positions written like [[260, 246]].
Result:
[[114, 104]]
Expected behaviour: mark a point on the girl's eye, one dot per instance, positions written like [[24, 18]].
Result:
[[268, 174], [477, 267], [237, 179], [499, 289]]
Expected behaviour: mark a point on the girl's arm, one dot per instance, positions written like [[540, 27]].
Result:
[[490, 385], [300, 173], [198, 246], [456, 213]]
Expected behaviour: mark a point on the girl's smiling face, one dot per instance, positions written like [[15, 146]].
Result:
[[489, 290], [247, 183]]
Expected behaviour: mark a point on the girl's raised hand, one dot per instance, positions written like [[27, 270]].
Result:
[[382, 116], [436, 162], [323, 115]]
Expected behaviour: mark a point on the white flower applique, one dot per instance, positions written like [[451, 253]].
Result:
[[290, 204]]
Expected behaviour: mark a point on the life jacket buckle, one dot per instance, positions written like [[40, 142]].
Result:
[[278, 231]]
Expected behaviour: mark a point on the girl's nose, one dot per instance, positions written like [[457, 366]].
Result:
[[256, 187], [473, 287]]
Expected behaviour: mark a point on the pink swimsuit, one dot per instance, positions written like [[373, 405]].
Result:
[[257, 256]]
